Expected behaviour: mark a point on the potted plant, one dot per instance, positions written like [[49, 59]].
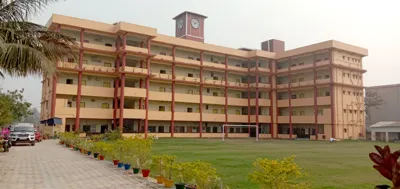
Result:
[[135, 163], [157, 167], [143, 149], [184, 174], [168, 161]]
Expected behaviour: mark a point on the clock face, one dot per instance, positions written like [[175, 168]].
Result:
[[195, 23], [180, 24]]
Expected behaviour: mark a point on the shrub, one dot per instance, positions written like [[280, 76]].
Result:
[[275, 174], [205, 175]]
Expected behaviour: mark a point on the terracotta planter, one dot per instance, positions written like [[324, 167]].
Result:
[[136, 170], [145, 172], [168, 183], [160, 179], [115, 161], [101, 158]]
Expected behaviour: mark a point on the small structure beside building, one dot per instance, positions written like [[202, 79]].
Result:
[[385, 131]]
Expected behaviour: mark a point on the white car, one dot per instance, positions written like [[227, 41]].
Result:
[[23, 134]]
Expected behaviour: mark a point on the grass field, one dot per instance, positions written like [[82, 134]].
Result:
[[329, 165]]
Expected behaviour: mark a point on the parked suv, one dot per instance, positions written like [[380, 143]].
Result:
[[23, 134]]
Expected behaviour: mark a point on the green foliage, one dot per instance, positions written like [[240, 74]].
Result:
[[69, 138], [205, 175], [184, 172], [168, 161], [113, 135], [275, 174], [13, 107]]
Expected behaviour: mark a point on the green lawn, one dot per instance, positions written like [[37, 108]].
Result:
[[343, 165]]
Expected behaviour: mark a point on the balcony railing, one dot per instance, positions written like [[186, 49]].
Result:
[[133, 92], [160, 96], [98, 48], [187, 61], [162, 57], [160, 116], [186, 116], [213, 117], [236, 68], [323, 100], [261, 102], [214, 100], [261, 69], [237, 101], [213, 65], [190, 79], [187, 98], [136, 50], [133, 113], [133, 70], [90, 67], [238, 118]]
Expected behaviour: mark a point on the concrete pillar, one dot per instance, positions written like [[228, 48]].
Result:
[[387, 136], [373, 136]]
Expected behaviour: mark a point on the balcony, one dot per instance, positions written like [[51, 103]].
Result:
[[133, 92], [96, 113], [303, 119], [261, 102], [260, 69], [214, 100], [214, 82], [236, 84], [88, 67], [323, 81], [283, 119], [261, 118], [322, 119], [133, 114], [160, 116], [136, 50], [321, 63], [214, 117], [133, 70], [213, 65], [161, 76], [237, 101], [282, 86], [189, 79], [66, 112], [186, 116], [236, 68], [294, 68], [160, 96], [260, 85], [303, 83], [97, 91], [187, 98], [66, 89], [238, 118], [326, 117], [68, 65], [324, 100], [98, 48], [282, 70], [163, 58], [187, 61]]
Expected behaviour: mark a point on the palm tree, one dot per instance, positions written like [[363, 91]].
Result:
[[27, 48]]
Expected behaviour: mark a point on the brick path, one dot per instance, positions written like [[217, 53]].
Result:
[[50, 166]]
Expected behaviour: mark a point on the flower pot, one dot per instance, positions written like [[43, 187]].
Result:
[[120, 164], [127, 166], [145, 172], [136, 170], [189, 186], [160, 179], [180, 186], [76, 148], [101, 158], [168, 183], [95, 155], [115, 161], [89, 153]]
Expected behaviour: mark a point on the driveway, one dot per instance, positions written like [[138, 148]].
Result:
[[48, 165]]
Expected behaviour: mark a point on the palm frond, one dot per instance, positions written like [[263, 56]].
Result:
[[18, 10]]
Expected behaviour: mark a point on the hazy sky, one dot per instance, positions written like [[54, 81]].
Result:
[[237, 23]]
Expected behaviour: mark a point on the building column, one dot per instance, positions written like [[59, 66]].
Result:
[[79, 90], [373, 136], [116, 86], [201, 94], [122, 85], [271, 126], [290, 99], [146, 122], [332, 95], [257, 95], [226, 95], [315, 97], [140, 99], [173, 93], [248, 99], [54, 86], [387, 136]]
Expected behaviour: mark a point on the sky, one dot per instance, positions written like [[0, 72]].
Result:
[[373, 25]]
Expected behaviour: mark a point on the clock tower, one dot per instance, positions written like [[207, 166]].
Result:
[[189, 25]]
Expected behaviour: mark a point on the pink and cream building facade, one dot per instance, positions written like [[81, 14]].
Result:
[[130, 77]]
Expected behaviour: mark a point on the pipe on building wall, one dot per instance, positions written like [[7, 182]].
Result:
[[79, 90]]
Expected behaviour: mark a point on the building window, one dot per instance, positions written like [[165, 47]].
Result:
[[348, 58], [348, 75], [320, 112], [319, 77], [70, 81], [162, 89], [163, 71], [161, 108], [108, 45], [105, 106], [215, 94], [69, 104], [160, 129], [301, 79], [344, 74], [107, 64], [350, 111], [294, 96], [198, 110], [190, 91], [71, 60], [301, 95], [301, 63], [83, 82], [151, 129], [302, 113], [215, 78], [215, 111], [189, 109], [354, 93], [344, 57], [190, 75], [238, 81], [344, 92], [206, 106], [326, 76], [294, 113], [86, 41], [222, 111], [327, 93], [348, 92], [107, 84], [344, 111], [208, 90], [212, 74], [237, 112], [238, 95], [82, 104]]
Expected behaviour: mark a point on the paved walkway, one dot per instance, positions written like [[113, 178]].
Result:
[[48, 165]]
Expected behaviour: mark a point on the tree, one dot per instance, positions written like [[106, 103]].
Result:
[[372, 100], [34, 118], [13, 107], [27, 48]]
